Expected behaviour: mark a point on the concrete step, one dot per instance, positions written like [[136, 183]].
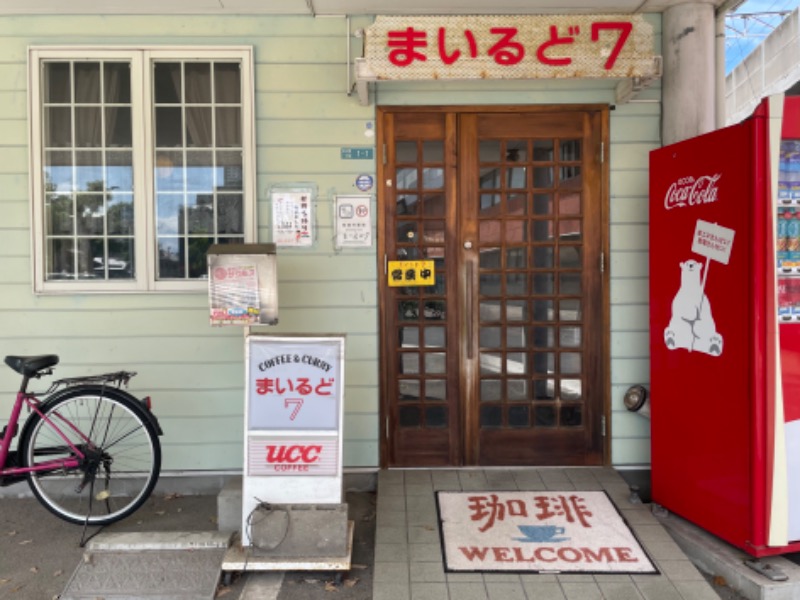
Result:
[[716, 557]]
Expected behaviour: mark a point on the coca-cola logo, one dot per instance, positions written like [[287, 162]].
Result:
[[688, 191]]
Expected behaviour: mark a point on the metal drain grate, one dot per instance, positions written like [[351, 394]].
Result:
[[131, 571]]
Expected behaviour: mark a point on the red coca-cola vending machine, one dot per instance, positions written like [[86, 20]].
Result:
[[725, 329]]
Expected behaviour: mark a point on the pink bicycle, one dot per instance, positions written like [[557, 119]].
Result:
[[89, 449]]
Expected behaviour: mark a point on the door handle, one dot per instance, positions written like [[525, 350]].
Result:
[[468, 309]]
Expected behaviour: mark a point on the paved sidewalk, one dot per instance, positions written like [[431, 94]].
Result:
[[408, 559]]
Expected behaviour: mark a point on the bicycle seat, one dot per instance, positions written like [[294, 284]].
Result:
[[31, 365]]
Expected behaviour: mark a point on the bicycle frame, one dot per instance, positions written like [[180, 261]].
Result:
[[33, 403]]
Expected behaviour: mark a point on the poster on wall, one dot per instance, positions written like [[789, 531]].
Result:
[[352, 216], [293, 215], [242, 284]]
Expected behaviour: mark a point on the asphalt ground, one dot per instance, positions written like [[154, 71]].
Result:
[[39, 552]]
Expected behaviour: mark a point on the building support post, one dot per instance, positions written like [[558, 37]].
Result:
[[689, 82]]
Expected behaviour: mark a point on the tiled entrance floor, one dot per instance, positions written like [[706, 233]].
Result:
[[408, 556]]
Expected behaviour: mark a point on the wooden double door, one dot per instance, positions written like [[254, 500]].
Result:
[[501, 358]]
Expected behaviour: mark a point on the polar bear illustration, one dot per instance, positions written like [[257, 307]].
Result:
[[692, 326]]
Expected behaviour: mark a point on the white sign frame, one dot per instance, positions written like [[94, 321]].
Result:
[[352, 215], [299, 446]]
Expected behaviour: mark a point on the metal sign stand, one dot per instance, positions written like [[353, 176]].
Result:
[[293, 515]]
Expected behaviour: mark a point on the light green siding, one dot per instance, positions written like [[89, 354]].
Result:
[[195, 373]]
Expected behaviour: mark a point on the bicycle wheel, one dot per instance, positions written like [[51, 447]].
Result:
[[122, 454]]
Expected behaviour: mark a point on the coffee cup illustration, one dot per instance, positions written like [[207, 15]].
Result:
[[541, 533]]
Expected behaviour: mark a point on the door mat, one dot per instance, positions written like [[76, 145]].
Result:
[[534, 532]]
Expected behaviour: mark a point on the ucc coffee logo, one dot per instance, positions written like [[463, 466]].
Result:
[[293, 458]]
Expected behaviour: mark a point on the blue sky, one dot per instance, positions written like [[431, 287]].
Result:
[[738, 47]]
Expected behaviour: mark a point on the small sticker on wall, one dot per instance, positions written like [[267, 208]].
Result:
[[364, 182]]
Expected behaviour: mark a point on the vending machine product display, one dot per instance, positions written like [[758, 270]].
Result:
[[725, 329]]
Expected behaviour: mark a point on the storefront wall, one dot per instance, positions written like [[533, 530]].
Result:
[[303, 117]]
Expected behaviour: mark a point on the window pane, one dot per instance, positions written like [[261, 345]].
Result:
[[169, 127], [91, 214], [171, 252], [117, 83], [119, 133], [120, 214], [56, 86], [198, 83], [230, 213], [200, 171], [58, 175], [227, 85], [228, 127], [89, 171], [60, 258], [200, 217], [229, 170], [119, 171], [91, 258], [169, 214], [198, 265], [198, 127], [87, 82], [57, 127], [120, 258], [59, 215], [167, 82], [169, 171]]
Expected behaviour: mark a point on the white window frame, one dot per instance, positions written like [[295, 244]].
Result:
[[145, 252]]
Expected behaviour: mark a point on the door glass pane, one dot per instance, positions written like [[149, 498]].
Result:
[[516, 258], [571, 416], [491, 363], [408, 389], [405, 152], [490, 337], [542, 231], [515, 337], [544, 416], [570, 363], [570, 310], [409, 363], [544, 363], [436, 389], [432, 178], [570, 389], [409, 416], [543, 337], [516, 363], [543, 150], [543, 257], [543, 283], [436, 416], [543, 177], [433, 151], [489, 310], [434, 337], [433, 205], [491, 416], [490, 284], [491, 390], [435, 363], [517, 205], [489, 151], [569, 257], [490, 232], [570, 337], [517, 310], [517, 284], [518, 416], [517, 389], [569, 204]]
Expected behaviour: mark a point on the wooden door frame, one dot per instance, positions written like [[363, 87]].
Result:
[[601, 111]]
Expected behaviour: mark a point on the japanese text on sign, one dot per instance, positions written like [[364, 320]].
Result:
[[713, 241], [511, 47], [294, 386], [488, 509], [403, 273]]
